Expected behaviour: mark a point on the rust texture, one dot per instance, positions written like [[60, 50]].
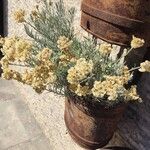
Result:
[[94, 128], [115, 21]]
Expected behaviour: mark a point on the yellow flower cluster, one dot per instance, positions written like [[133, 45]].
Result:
[[64, 43], [82, 90], [4, 62], [41, 76], [65, 59], [80, 71], [19, 16], [16, 49], [45, 54], [9, 74], [126, 75], [132, 95], [137, 42], [110, 87], [105, 48], [145, 66]]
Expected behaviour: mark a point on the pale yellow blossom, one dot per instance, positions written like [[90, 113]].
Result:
[[137, 42], [131, 95], [145, 66], [22, 50], [27, 77], [80, 71], [82, 90], [51, 79], [16, 49], [4, 62], [105, 48], [112, 87], [9, 74], [98, 90], [40, 76], [45, 54], [64, 43]]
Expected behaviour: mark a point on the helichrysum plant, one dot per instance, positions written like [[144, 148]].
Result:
[[55, 59]]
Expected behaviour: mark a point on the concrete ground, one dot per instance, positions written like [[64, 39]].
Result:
[[18, 128], [29, 121]]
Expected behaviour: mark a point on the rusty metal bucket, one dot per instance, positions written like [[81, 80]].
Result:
[[115, 21], [91, 127]]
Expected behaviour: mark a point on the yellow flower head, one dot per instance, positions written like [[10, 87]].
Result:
[[145, 66], [27, 77], [16, 49], [132, 95], [45, 54], [137, 42], [51, 78], [19, 16], [22, 49], [82, 90], [105, 48], [79, 71], [64, 43], [9, 74], [4, 62], [112, 87]]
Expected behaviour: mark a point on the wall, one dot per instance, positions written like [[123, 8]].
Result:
[[17, 29]]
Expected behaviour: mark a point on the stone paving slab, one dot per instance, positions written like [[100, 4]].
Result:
[[48, 110], [18, 128], [37, 143]]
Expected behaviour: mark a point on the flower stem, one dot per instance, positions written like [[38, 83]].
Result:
[[136, 68]]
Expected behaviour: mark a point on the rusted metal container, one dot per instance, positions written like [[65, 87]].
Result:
[[115, 21], [91, 126]]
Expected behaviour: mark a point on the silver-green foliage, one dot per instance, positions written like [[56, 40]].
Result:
[[53, 21]]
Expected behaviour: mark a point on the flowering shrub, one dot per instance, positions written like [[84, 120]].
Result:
[[56, 60]]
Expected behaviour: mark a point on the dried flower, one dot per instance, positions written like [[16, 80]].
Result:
[[22, 50], [16, 49], [19, 16], [131, 95], [40, 76], [112, 87], [79, 71], [4, 62], [137, 42], [145, 66], [9, 74], [82, 90], [105, 48], [64, 43], [45, 54]]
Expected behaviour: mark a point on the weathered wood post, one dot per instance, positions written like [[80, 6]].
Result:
[[116, 21]]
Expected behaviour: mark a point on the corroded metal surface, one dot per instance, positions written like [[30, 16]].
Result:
[[116, 21], [91, 129]]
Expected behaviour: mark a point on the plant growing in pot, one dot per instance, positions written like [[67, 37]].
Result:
[[93, 80]]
